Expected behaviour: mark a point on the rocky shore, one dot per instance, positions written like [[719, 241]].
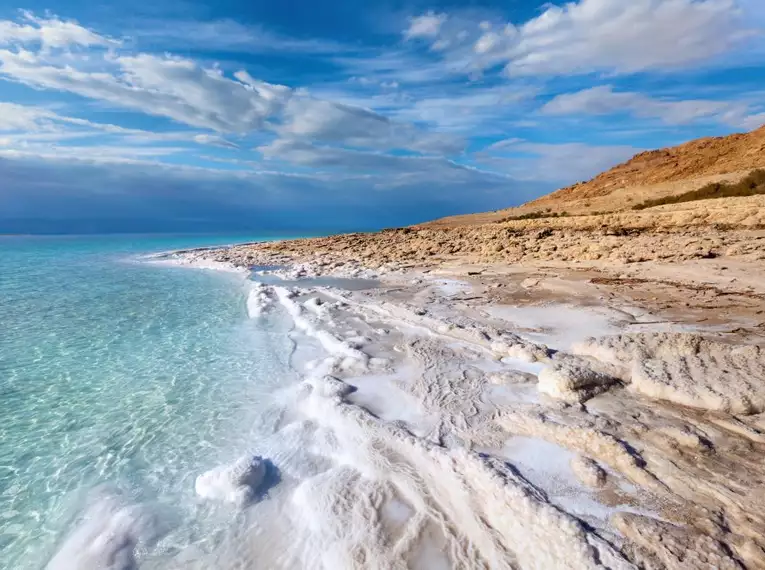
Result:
[[590, 366], [646, 349]]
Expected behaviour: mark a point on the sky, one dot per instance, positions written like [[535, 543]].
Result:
[[297, 115]]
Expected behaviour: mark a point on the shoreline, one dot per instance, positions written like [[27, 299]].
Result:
[[656, 421]]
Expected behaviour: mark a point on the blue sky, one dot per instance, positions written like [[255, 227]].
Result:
[[303, 115]]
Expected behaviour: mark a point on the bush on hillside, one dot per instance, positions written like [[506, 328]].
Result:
[[751, 185]]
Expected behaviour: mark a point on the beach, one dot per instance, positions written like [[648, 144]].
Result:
[[556, 410], [302, 404], [383, 285]]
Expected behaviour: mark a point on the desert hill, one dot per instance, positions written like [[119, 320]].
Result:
[[648, 176]]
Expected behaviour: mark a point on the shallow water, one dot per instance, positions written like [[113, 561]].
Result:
[[126, 378]]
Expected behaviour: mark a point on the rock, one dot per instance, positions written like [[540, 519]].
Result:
[[573, 382], [676, 547], [236, 483], [588, 472], [331, 387], [686, 369]]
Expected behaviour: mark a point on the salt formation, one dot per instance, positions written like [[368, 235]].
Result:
[[436, 487], [346, 356], [586, 439], [463, 510], [524, 351], [108, 536], [675, 547], [236, 483], [510, 377], [258, 300], [588, 471], [573, 381], [491, 517], [686, 369], [316, 306]]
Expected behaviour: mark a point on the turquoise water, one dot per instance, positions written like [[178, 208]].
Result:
[[124, 377]]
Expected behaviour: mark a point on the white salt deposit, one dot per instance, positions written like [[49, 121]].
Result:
[[686, 369], [496, 518], [349, 355], [573, 381], [108, 535], [588, 471], [193, 260], [558, 325], [236, 483], [259, 299], [377, 444], [470, 509], [316, 306]]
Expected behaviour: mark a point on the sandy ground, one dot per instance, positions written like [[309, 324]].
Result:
[[607, 409]]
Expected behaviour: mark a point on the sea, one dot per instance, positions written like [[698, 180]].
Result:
[[120, 382]]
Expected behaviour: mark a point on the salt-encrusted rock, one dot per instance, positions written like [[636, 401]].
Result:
[[573, 382], [676, 547], [236, 483], [686, 369], [588, 471], [108, 535], [507, 377], [513, 346], [331, 387]]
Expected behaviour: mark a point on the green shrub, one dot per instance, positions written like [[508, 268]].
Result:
[[533, 216], [751, 185]]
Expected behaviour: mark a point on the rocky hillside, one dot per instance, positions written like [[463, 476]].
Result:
[[647, 176], [696, 159]]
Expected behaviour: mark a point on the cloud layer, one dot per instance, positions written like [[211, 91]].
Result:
[[604, 100], [591, 36], [453, 111], [75, 197]]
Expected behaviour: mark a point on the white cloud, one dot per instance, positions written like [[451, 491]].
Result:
[[214, 140], [325, 121], [228, 35], [167, 86], [753, 121], [475, 110], [425, 26], [92, 154], [588, 36], [16, 117], [400, 66], [39, 132], [19, 117], [503, 144], [205, 97], [305, 154], [50, 33], [603, 100]]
